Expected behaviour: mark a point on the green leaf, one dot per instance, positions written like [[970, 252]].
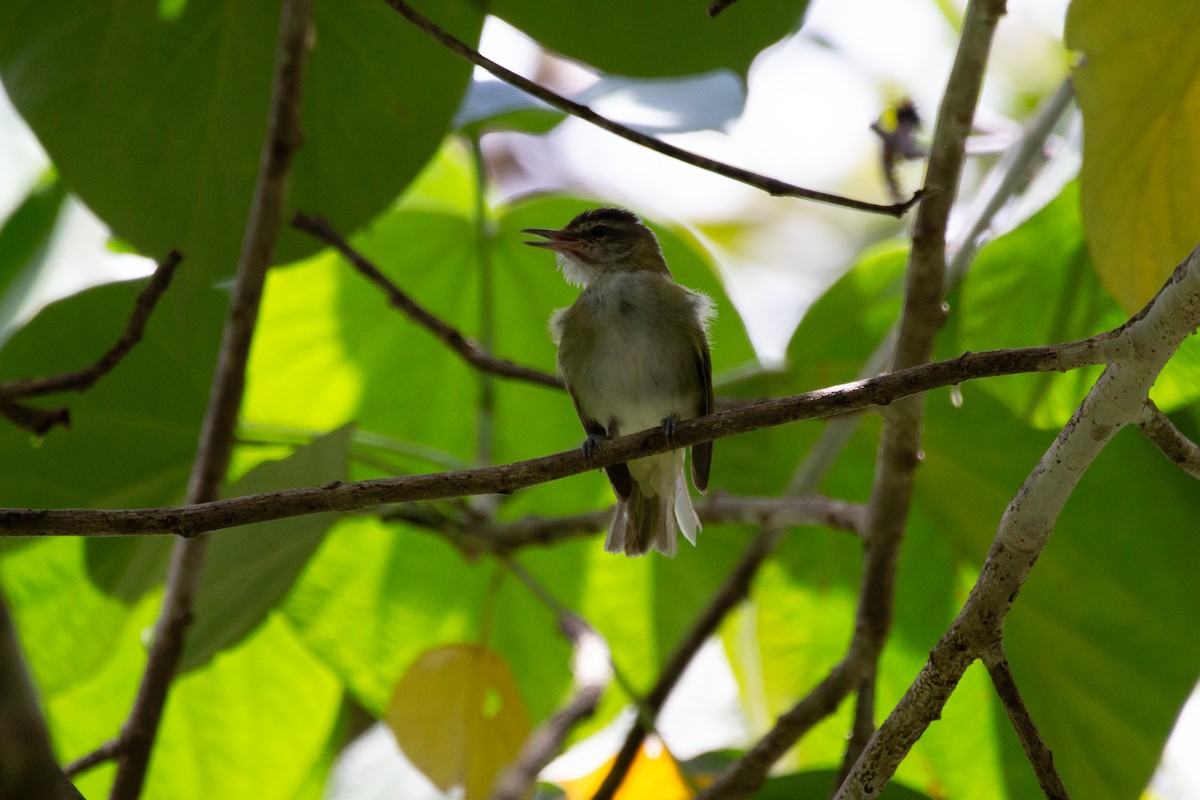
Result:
[[1099, 637], [819, 784], [1140, 96], [147, 410], [656, 40], [248, 571], [251, 723], [492, 105], [68, 626], [1035, 286], [156, 120], [847, 323], [375, 596]]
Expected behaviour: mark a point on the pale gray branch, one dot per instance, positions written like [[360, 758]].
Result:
[[1147, 342], [1177, 447]]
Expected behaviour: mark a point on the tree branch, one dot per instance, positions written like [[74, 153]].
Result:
[[194, 519], [1179, 449], [481, 534], [735, 589], [471, 351], [770, 185], [280, 144], [592, 668], [1148, 341], [29, 770], [1018, 714], [40, 420], [920, 322], [717, 6]]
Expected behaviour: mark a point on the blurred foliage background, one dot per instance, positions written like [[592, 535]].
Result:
[[152, 117]]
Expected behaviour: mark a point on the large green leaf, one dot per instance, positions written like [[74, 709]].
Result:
[[251, 723], [156, 120], [68, 626], [656, 39], [133, 434], [375, 597], [1037, 285], [1100, 637], [1139, 91], [248, 571]]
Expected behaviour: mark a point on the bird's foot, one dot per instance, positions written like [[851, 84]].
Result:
[[589, 446], [668, 428]]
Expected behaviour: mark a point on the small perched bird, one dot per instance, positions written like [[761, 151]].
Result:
[[634, 354]]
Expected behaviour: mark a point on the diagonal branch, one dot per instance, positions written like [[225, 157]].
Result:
[[471, 351], [191, 520], [1036, 751], [733, 591], [1148, 341], [767, 184], [41, 420], [265, 219], [591, 665], [1178, 448]]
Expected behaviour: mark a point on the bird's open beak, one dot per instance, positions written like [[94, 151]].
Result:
[[556, 240]]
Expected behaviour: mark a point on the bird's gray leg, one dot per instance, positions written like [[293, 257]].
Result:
[[668, 427], [589, 445]]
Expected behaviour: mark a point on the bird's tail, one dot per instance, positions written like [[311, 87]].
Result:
[[658, 506]]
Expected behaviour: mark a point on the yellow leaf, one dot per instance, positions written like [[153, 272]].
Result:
[[458, 717], [654, 775], [1139, 90]]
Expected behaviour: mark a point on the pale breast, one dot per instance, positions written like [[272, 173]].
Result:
[[629, 349]]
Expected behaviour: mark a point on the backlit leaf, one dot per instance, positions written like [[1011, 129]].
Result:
[[1139, 90], [654, 775], [457, 715]]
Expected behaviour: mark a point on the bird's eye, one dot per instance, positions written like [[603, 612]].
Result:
[[600, 231]]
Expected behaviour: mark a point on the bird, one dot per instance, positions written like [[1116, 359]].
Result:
[[633, 352]]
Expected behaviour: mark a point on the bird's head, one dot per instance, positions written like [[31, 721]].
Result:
[[599, 241]]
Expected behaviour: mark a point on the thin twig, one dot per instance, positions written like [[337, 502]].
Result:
[[40, 420], [1178, 448], [591, 666], [1008, 175], [470, 350], [1151, 337], [477, 536], [717, 6], [744, 776], [767, 184], [1036, 751], [194, 519], [104, 753], [735, 589], [217, 433]]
